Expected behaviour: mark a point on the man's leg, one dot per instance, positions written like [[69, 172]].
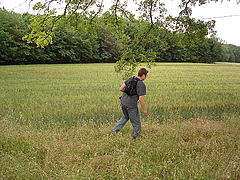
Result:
[[134, 117], [123, 120]]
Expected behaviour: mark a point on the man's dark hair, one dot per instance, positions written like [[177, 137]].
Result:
[[142, 71]]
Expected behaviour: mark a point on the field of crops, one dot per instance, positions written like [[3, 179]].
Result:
[[56, 122]]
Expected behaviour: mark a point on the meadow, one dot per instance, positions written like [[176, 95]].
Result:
[[56, 122]]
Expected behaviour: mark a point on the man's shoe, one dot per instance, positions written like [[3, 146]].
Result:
[[135, 136], [115, 131]]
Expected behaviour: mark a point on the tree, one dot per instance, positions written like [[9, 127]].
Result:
[[231, 53], [12, 28], [82, 35], [101, 41], [44, 25]]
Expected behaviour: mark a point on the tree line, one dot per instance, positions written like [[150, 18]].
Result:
[[95, 40]]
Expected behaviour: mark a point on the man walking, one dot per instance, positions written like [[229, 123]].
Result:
[[129, 102]]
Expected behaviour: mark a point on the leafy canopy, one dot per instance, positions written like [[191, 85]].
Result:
[[135, 46]]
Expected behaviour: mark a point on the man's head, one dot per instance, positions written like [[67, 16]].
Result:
[[142, 73]]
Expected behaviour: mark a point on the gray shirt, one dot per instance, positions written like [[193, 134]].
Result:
[[131, 101]]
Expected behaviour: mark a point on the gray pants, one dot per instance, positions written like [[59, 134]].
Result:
[[134, 116]]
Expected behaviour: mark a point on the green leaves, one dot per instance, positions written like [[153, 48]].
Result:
[[134, 41], [38, 6], [116, 35], [126, 65], [43, 29]]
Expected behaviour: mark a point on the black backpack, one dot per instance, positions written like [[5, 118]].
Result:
[[131, 86]]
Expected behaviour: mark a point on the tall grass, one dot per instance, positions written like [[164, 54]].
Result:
[[55, 123], [191, 149], [66, 94]]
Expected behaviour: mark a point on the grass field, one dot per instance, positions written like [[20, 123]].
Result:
[[55, 123]]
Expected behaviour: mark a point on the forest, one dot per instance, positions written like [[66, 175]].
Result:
[[88, 40]]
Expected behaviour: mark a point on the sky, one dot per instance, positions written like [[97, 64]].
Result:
[[226, 15], [228, 28]]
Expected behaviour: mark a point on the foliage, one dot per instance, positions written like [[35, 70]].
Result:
[[151, 11], [231, 53], [82, 40]]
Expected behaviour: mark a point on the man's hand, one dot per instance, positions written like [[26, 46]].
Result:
[[145, 112], [122, 87], [144, 108]]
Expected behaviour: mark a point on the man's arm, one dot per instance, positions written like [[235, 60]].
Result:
[[144, 108], [122, 87]]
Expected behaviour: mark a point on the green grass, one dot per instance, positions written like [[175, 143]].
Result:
[[55, 123]]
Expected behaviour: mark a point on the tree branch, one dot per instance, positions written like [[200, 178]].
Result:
[[150, 12], [99, 10], [115, 11]]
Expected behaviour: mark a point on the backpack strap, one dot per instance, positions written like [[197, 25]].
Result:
[[136, 78]]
